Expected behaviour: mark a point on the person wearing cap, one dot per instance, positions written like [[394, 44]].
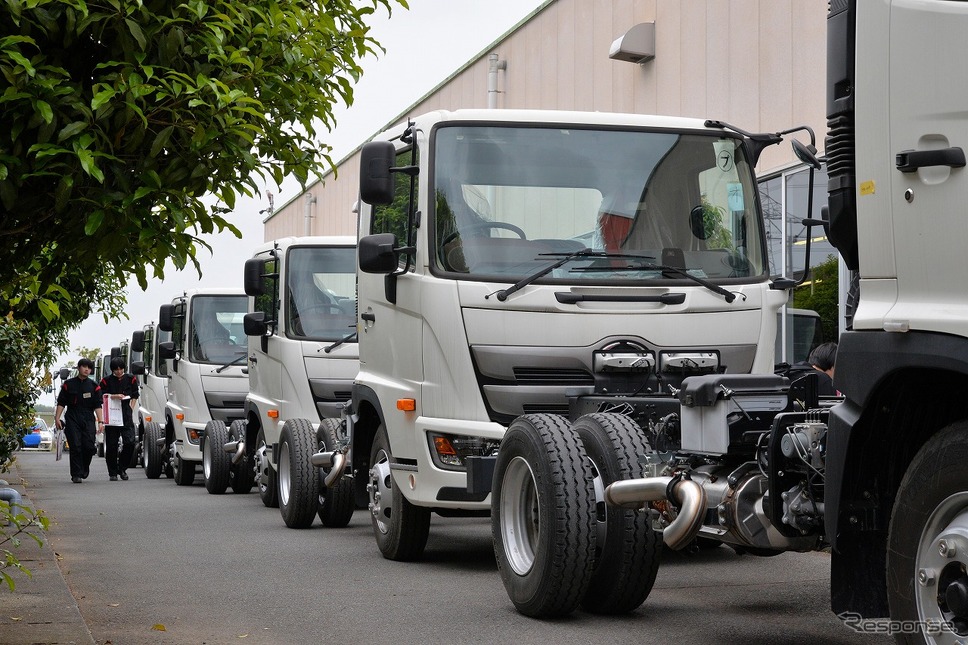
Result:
[[81, 397], [124, 387]]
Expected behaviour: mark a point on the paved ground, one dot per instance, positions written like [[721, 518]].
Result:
[[224, 569], [41, 609]]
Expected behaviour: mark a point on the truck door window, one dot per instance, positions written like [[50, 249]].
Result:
[[392, 218]]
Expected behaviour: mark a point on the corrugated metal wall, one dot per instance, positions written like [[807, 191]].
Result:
[[759, 64]]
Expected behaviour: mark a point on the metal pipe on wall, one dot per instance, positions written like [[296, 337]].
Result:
[[493, 67], [308, 219]]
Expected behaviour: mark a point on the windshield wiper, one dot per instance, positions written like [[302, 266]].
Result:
[[230, 364], [342, 340], [503, 294]]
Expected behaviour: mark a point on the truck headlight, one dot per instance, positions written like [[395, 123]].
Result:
[[451, 451]]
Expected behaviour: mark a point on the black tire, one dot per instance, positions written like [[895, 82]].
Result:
[[627, 549], [154, 454], [930, 507], [336, 504], [543, 516], [184, 471], [243, 473], [266, 477], [216, 463], [136, 453], [298, 483], [401, 529]]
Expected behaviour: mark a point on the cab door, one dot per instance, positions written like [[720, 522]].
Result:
[[927, 99]]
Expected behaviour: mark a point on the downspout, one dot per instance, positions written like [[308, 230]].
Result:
[[12, 496], [493, 67], [308, 227]]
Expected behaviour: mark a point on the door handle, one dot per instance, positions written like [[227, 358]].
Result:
[[910, 160], [368, 317]]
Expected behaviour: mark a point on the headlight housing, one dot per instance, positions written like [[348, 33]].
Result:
[[450, 452]]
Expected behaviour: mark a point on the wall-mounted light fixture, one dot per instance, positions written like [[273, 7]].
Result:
[[636, 46]]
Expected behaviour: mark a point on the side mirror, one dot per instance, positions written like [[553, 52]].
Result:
[[115, 353], [254, 324], [376, 182], [138, 341], [697, 222], [806, 153], [64, 374], [166, 315], [377, 253], [254, 279], [138, 368], [166, 350]]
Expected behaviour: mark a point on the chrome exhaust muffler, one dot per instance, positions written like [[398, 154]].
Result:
[[684, 493], [236, 447], [334, 460]]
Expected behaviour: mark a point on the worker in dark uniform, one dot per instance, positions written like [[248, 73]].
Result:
[[81, 396], [124, 387]]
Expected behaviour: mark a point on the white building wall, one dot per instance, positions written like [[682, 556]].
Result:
[[759, 64]]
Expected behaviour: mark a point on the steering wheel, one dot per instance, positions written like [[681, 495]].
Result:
[[485, 226]]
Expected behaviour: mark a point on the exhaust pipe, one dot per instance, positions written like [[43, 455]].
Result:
[[689, 496], [236, 447], [335, 461]]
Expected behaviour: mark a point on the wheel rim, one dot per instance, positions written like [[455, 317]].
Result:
[[380, 491], [601, 510], [285, 478], [207, 459], [262, 465], [520, 515], [941, 572]]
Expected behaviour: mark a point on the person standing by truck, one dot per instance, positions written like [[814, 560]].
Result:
[[80, 396], [121, 386]]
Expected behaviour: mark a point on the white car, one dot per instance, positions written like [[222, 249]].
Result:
[[40, 436]]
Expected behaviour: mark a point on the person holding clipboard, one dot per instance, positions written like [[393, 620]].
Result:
[[120, 398]]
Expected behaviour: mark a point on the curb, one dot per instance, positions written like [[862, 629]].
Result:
[[41, 608]]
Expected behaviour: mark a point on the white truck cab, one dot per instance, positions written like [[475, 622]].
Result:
[[153, 378], [518, 262], [302, 361], [206, 363]]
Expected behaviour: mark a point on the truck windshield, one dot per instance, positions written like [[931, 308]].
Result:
[[508, 196], [216, 329], [321, 292]]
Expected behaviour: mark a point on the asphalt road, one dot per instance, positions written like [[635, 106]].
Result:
[[145, 554]]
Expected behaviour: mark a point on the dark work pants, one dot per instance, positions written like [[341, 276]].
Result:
[[118, 464], [80, 438]]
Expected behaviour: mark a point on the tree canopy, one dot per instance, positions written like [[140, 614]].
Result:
[[121, 116]]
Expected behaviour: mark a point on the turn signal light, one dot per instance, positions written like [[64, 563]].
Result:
[[273, 414], [193, 435], [407, 405], [148, 419], [180, 416], [443, 446]]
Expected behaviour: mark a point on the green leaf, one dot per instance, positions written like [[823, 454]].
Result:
[[93, 222], [46, 113], [70, 130], [161, 140], [135, 30], [101, 98]]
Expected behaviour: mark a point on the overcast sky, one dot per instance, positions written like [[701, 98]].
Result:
[[423, 47]]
